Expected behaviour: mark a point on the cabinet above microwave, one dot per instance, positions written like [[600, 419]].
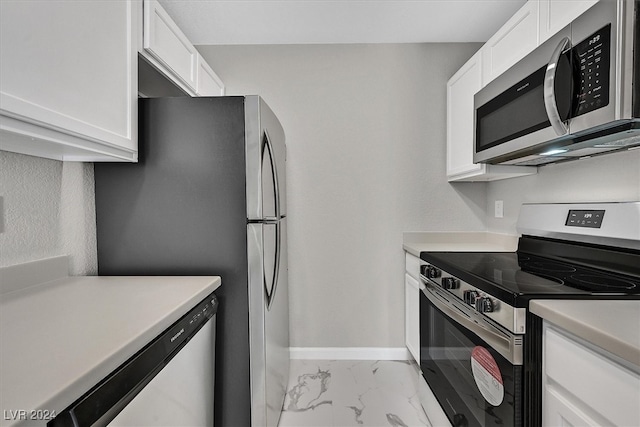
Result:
[[534, 23], [574, 96]]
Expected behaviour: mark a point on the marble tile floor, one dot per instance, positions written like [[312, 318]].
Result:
[[340, 393]]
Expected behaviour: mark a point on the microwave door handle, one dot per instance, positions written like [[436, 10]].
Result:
[[549, 88]]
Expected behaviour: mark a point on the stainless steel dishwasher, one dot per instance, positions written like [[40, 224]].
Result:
[[169, 382]]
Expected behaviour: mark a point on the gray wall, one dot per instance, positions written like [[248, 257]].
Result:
[[608, 178], [48, 210], [365, 130], [365, 127]]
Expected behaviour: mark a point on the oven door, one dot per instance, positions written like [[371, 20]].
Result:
[[473, 367]]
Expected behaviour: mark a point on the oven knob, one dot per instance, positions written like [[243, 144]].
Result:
[[424, 270], [449, 283], [470, 297], [431, 272], [484, 305]]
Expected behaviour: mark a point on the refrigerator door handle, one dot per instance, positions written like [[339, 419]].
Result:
[[266, 143], [276, 269]]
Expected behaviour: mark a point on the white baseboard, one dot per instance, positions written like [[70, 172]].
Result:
[[350, 353]]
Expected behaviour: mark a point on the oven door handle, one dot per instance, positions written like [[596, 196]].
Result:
[[550, 103], [508, 345]]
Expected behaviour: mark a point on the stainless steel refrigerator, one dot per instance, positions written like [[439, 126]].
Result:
[[208, 197]]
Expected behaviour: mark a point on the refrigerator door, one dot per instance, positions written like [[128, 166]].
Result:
[[266, 157], [269, 320], [277, 333], [271, 234]]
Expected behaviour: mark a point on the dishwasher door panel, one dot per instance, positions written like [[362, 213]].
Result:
[[182, 392]]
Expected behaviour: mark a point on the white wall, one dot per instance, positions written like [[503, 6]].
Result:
[[608, 178], [48, 209], [365, 127]]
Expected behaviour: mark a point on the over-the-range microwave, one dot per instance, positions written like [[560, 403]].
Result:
[[576, 95]]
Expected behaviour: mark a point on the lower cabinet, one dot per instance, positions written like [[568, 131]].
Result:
[[412, 316], [585, 385], [412, 305]]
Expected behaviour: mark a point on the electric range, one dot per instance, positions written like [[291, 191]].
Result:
[[475, 327]]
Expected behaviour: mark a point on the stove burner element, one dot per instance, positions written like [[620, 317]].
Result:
[[550, 266], [601, 283], [557, 280]]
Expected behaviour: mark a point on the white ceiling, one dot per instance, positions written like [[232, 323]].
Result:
[[217, 22]]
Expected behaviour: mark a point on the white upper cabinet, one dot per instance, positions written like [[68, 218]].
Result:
[[534, 23], [557, 14], [166, 43], [68, 79], [460, 129], [460, 91], [168, 49], [209, 84], [511, 43]]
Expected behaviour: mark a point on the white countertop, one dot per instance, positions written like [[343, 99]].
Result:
[[613, 325], [59, 338], [458, 241]]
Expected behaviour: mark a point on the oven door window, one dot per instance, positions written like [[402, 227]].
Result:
[[473, 383]]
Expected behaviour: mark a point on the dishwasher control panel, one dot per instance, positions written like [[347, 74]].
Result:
[[190, 323]]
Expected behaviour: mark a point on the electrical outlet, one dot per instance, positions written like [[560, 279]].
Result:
[[499, 209]]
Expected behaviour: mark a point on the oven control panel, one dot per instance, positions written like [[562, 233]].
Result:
[[585, 218], [512, 318]]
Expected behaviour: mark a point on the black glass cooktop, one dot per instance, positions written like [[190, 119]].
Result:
[[516, 277]]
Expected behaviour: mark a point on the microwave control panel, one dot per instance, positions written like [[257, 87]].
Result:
[[593, 60]]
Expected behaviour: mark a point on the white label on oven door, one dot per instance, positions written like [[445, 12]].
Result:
[[487, 375]]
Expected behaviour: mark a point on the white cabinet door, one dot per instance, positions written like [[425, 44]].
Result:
[[412, 316], [460, 128], [511, 43], [209, 84], [166, 43], [167, 49], [461, 88], [412, 265], [460, 118], [559, 411], [557, 14], [68, 79], [584, 385]]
